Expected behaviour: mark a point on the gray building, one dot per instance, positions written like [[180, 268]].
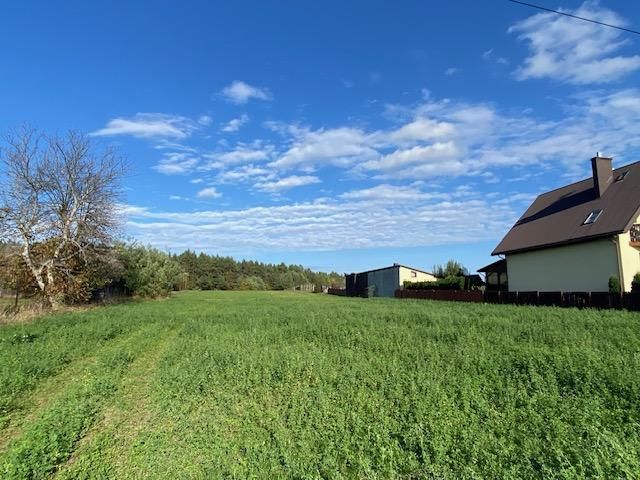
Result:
[[383, 282]]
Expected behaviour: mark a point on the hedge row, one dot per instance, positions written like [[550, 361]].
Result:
[[448, 283]]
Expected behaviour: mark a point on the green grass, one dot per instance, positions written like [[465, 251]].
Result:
[[292, 385]]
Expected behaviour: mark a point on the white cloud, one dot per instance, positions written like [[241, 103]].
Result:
[[447, 138], [149, 125], [176, 163], [435, 160], [386, 193], [574, 51], [177, 197], [327, 225], [196, 180], [450, 71], [209, 192], [340, 147], [243, 153], [287, 183], [235, 124], [421, 129], [205, 120], [131, 210], [490, 56], [245, 173], [167, 145], [240, 92]]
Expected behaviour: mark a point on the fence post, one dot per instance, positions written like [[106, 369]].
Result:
[[15, 303]]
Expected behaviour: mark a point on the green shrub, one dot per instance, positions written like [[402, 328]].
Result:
[[614, 284], [447, 283], [149, 272], [635, 284], [252, 283], [453, 268]]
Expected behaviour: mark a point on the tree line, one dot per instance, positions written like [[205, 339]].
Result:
[[213, 272], [131, 269]]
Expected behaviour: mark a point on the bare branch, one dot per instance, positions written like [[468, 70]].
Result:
[[59, 193]]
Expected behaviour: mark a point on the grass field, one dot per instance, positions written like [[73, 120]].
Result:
[[272, 385]]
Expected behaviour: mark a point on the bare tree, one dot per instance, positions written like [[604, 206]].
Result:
[[58, 200]]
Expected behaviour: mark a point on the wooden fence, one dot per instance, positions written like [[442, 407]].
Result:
[[602, 300], [475, 296]]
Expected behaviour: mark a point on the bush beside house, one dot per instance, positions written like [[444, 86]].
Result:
[[447, 283]]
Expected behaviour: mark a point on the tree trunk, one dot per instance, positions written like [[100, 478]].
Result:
[[50, 291]]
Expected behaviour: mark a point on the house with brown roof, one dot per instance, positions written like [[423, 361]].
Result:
[[576, 237]]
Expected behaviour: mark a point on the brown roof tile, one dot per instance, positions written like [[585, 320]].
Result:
[[557, 217]]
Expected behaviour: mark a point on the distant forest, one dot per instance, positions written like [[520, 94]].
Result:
[[209, 272]]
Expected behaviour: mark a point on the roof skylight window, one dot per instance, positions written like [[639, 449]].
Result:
[[622, 176], [593, 217]]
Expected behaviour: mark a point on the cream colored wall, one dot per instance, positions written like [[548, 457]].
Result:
[[405, 275], [581, 267], [629, 259]]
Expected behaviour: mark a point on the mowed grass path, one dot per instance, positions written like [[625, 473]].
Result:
[[290, 385]]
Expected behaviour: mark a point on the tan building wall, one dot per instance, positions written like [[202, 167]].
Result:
[[629, 259], [581, 267], [406, 274]]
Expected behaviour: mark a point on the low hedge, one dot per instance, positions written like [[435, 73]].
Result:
[[448, 283]]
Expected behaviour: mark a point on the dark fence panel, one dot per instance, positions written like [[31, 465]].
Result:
[[527, 298], [601, 300], [576, 299], [510, 297], [492, 296], [631, 301], [549, 299], [337, 291], [476, 296]]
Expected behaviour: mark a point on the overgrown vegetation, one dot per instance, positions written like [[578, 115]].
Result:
[[284, 385], [144, 271]]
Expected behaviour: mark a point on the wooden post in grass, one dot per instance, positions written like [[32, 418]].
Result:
[[15, 303]]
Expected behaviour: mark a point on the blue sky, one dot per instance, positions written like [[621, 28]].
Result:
[[339, 135]]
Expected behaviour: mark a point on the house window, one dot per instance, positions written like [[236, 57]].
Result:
[[593, 216], [622, 176], [413, 274]]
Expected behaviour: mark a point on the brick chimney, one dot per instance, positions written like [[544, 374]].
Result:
[[602, 173]]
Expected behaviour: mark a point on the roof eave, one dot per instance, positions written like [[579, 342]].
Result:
[[558, 244]]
